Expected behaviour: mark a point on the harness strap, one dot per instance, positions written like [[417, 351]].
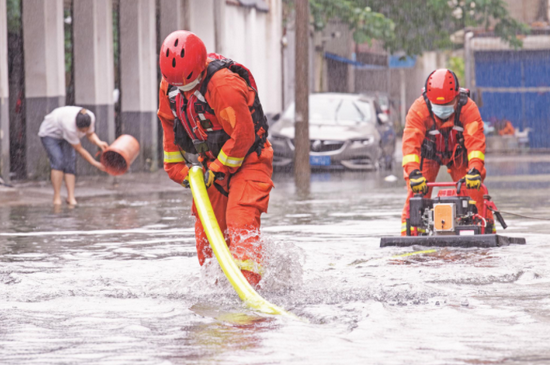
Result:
[[429, 105], [202, 99], [459, 128], [172, 93], [462, 100], [190, 127], [220, 189], [199, 96], [433, 131]]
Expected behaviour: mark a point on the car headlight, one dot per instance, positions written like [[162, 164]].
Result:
[[357, 143], [279, 140]]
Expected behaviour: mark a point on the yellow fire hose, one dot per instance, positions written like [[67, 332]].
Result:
[[206, 214], [414, 253]]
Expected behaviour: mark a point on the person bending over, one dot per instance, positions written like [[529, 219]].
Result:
[[209, 105], [60, 133]]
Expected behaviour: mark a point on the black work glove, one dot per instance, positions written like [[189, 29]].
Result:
[[418, 182], [185, 182], [473, 179], [210, 176]]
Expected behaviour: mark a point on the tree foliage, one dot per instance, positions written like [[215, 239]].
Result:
[[428, 24], [457, 65], [365, 23], [415, 26], [13, 8]]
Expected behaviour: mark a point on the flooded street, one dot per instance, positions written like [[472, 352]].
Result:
[[116, 281]]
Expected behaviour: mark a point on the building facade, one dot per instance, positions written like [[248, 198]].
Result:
[[103, 55], [514, 84]]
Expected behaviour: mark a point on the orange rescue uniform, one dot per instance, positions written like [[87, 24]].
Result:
[[417, 126], [249, 176]]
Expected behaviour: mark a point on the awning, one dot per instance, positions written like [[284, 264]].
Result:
[[261, 5], [395, 62], [359, 65]]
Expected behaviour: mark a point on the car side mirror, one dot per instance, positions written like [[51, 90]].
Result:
[[383, 118]]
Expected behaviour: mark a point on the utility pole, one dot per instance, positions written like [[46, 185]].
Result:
[[302, 170], [218, 25], [468, 59]]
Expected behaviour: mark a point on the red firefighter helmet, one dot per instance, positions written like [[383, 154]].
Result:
[[442, 86], [182, 58]]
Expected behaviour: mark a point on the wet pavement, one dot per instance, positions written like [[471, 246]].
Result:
[[116, 279]]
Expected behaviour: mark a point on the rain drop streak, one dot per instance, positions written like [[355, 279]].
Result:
[[117, 281]]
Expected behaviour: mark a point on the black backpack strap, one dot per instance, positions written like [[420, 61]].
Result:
[[256, 110], [213, 67], [172, 92], [429, 105], [463, 100], [221, 190], [426, 150], [243, 73]]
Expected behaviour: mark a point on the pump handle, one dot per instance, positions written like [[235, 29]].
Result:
[[459, 185], [500, 219]]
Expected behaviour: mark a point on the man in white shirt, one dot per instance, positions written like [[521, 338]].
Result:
[[60, 133]]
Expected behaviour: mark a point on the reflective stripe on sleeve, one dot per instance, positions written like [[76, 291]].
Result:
[[410, 158], [230, 161], [476, 154], [172, 157], [250, 265], [404, 227]]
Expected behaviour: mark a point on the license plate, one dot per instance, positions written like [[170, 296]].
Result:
[[319, 160]]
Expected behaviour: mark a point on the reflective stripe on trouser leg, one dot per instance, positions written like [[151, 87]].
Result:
[[250, 265]]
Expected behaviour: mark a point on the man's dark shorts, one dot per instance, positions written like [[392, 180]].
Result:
[[62, 155]]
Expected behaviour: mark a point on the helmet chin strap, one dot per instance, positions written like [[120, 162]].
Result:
[[190, 86]]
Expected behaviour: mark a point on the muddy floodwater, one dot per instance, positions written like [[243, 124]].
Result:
[[116, 281]]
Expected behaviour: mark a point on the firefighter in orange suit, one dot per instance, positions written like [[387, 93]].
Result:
[[209, 105], [443, 127]]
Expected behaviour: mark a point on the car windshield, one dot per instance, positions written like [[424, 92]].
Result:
[[334, 110]]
